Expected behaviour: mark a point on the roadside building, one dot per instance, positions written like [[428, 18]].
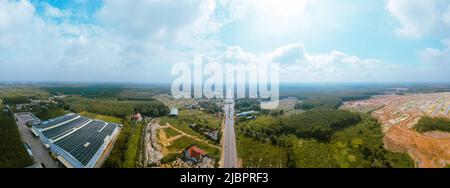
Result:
[[77, 141], [245, 114], [173, 112], [137, 117], [194, 154]]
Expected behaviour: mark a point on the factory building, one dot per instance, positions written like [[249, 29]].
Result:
[[77, 141]]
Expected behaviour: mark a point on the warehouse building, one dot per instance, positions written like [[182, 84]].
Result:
[[77, 141]]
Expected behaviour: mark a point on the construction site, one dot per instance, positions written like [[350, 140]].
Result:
[[398, 115]]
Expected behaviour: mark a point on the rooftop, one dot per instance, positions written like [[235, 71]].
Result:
[[78, 136]]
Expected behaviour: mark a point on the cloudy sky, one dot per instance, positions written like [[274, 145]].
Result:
[[140, 40]]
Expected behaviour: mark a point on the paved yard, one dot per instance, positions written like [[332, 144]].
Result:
[[40, 153]]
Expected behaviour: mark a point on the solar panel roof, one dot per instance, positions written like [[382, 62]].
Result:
[[79, 136]]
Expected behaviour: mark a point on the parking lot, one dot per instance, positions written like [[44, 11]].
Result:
[[40, 153]]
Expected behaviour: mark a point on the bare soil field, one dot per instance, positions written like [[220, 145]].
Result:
[[287, 104], [175, 103], [398, 117]]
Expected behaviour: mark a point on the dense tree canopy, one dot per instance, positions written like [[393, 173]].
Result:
[[433, 124], [117, 108], [312, 124], [12, 150], [15, 100], [325, 138], [210, 106]]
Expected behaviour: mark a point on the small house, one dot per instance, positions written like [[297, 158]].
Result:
[[173, 112]]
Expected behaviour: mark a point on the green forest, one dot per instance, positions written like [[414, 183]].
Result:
[[317, 124], [126, 150], [15, 100], [116, 108], [433, 124], [12, 151], [323, 138]]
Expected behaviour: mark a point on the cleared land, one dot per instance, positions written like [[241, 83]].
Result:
[[174, 135], [287, 104], [175, 103], [197, 117], [399, 115]]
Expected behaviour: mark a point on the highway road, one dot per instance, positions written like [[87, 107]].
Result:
[[229, 152]]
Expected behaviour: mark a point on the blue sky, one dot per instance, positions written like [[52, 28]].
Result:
[[139, 41]]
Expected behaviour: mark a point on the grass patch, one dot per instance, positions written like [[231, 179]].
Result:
[[125, 153], [180, 125], [101, 117], [49, 113], [171, 132], [258, 154], [133, 148], [24, 92], [169, 158]]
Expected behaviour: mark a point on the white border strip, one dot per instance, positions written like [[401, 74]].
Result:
[[59, 124]]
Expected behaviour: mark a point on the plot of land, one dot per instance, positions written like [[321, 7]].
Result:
[[254, 154], [398, 116], [174, 134], [175, 103], [287, 104]]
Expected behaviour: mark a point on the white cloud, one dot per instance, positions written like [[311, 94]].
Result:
[[140, 40], [426, 18], [287, 54], [53, 12], [159, 20], [337, 66], [15, 15], [437, 57], [37, 48], [297, 65], [274, 17], [419, 18]]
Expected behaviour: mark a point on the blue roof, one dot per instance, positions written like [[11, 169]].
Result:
[[79, 136]]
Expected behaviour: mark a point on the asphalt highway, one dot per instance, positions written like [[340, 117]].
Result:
[[229, 147]]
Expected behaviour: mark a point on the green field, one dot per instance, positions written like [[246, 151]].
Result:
[[101, 117], [24, 92], [133, 148], [180, 125], [171, 132], [126, 150], [187, 117], [199, 117], [256, 154]]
